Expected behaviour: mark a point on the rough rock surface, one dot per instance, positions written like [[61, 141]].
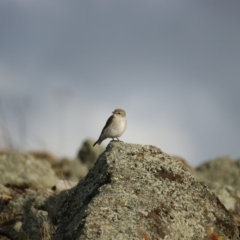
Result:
[[25, 202], [23, 171], [222, 170], [222, 176], [26, 215], [139, 192], [89, 154]]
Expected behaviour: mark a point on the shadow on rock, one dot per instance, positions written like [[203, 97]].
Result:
[[72, 212]]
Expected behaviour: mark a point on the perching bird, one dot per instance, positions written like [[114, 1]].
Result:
[[114, 127]]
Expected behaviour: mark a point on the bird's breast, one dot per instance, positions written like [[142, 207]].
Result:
[[118, 127]]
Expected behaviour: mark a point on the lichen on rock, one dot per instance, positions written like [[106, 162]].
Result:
[[139, 192]]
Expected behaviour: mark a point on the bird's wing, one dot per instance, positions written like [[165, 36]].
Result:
[[107, 124]]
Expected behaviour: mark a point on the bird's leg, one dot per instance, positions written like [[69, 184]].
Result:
[[112, 139]]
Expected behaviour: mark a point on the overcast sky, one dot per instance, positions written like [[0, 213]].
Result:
[[174, 66]]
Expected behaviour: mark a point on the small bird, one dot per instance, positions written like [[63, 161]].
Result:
[[114, 127]]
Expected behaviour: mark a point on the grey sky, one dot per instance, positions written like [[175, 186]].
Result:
[[172, 65]]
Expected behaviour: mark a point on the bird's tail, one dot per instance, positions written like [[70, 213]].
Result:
[[98, 141], [95, 143]]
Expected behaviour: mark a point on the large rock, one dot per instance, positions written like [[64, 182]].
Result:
[[139, 192], [23, 171]]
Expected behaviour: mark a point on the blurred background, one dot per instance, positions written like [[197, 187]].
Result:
[[173, 65]]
